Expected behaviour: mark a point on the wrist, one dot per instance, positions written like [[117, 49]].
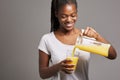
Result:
[[59, 66], [101, 39]]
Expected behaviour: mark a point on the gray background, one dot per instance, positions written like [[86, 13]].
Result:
[[23, 22]]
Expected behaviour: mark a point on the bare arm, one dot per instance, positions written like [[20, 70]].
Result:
[[46, 71], [92, 33]]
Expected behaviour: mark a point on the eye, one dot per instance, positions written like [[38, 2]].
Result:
[[74, 15], [63, 16]]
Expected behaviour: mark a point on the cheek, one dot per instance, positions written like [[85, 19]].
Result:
[[62, 20], [75, 18]]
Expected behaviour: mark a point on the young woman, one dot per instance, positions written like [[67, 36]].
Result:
[[54, 46]]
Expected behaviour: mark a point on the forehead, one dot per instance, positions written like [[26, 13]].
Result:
[[67, 8]]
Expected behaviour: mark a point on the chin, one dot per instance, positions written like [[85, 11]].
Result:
[[69, 28]]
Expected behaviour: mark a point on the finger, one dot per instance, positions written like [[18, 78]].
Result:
[[68, 70], [69, 65], [94, 32], [86, 30], [92, 29], [64, 63], [67, 61], [90, 33]]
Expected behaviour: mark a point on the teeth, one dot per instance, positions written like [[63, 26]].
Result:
[[69, 24]]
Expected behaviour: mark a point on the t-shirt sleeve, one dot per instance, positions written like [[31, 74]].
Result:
[[43, 45]]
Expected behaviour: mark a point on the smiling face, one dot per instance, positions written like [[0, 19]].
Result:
[[67, 16]]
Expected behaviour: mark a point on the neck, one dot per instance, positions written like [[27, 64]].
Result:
[[67, 32]]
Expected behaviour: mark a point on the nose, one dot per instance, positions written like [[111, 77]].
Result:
[[69, 19]]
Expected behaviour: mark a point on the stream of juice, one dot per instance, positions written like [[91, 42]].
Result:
[[73, 52]]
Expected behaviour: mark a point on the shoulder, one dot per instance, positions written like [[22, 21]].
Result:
[[47, 36], [45, 40]]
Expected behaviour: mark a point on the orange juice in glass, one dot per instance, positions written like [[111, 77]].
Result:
[[73, 62], [73, 58]]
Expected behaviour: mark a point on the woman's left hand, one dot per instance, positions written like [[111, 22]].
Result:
[[90, 32]]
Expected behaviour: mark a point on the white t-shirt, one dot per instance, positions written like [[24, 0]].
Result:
[[59, 51]]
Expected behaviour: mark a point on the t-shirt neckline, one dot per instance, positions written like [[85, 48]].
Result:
[[61, 42]]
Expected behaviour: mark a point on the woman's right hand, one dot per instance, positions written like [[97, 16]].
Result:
[[65, 67]]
